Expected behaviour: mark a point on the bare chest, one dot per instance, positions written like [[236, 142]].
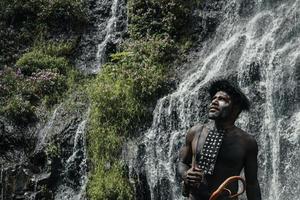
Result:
[[232, 152]]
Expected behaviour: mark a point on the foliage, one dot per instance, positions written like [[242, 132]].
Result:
[[120, 97], [9, 82], [55, 48], [149, 17], [20, 94], [105, 142], [21, 21], [115, 102], [19, 110], [70, 13], [20, 8], [42, 75], [147, 65], [123, 91], [109, 182], [49, 84], [59, 52], [33, 61], [53, 150], [13, 103]]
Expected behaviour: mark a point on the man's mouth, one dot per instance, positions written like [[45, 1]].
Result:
[[213, 109]]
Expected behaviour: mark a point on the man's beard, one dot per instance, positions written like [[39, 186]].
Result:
[[220, 114]]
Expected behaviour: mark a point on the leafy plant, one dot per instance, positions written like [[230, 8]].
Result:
[[152, 17], [71, 13], [55, 48], [109, 182], [52, 150], [47, 82], [42, 75], [9, 82], [120, 97], [33, 61], [21, 21], [48, 85], [19, 110]]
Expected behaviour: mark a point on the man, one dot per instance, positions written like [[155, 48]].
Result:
[[219, 150]]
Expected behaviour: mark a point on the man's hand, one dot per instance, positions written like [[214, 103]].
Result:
[[194, 177]]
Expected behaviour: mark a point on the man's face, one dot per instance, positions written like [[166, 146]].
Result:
[[220, 106]]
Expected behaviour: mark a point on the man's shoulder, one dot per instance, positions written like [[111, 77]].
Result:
[[242, 133], [194, 130], [248, 139]]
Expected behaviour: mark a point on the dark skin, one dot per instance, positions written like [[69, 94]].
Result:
[[238, 151]]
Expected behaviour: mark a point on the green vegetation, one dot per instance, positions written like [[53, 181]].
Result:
[[120, 97], [50, 55], [28, 12], [32, 61], [42, 75], [70, 13], [53, 150], [19, 109], [21, 21], [109, 182], [152, 17], [53, 48], [122, 93]]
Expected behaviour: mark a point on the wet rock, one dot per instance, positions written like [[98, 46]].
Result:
[[15, 180], [56, 156]]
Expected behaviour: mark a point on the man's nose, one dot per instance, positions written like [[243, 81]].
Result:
[[214, 103]]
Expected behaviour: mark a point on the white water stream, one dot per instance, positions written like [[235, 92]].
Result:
[[105, 33], [263, 50], [79, 152], [110, 30]]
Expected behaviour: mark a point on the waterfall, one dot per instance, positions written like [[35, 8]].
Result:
[[108, 27], [43, 133], [258, 43], [76, 163], [60, 155]]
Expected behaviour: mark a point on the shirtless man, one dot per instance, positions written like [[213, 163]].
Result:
[[237, 150]]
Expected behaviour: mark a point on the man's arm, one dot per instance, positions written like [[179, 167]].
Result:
[[192, 176], [252, 185], [185, 155]]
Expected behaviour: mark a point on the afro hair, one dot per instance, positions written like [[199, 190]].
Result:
[[232, 90]]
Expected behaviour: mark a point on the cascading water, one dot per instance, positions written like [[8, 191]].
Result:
[[62, 155], [258, 44], [108, 27], [42, 135], [75, 166]]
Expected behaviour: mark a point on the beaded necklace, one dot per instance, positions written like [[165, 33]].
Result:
[[208, 156]]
